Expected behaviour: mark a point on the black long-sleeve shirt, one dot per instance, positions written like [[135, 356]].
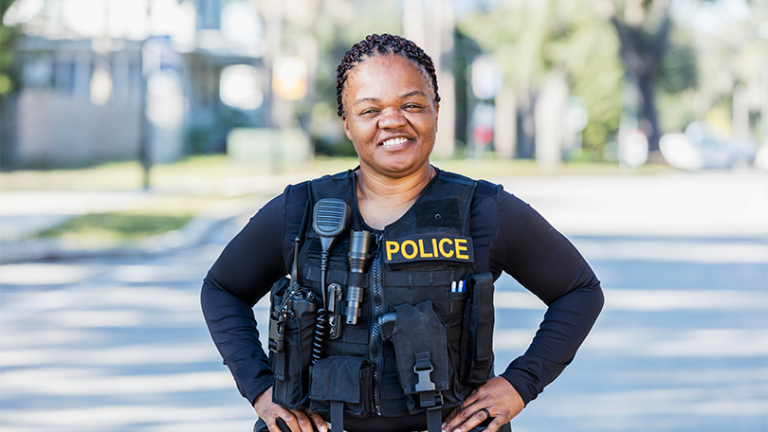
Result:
[[508, 235]]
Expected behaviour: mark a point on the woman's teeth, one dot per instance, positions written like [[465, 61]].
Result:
[[394, 141]]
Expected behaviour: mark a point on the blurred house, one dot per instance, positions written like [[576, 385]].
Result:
[[106, 80]]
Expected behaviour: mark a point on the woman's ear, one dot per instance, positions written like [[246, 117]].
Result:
[[437, 114], [346, 126]]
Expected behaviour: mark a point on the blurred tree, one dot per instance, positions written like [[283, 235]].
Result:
[[678, 84], [643, 28], [9, 85], [340, 24], [695, 60], [528, 40], [320, 31], [9, 36], [732, 91]]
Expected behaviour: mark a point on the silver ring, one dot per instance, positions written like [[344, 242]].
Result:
[[487, 414]]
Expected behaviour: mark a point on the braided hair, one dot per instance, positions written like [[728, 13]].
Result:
[[382, 45]]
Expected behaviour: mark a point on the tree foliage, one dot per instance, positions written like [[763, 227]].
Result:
[[9, 36], [338, 26], [529, 39]]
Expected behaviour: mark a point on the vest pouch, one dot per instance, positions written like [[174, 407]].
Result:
[[477, 338], [451, 314], [424, 365], [291, 366], [342, 379]]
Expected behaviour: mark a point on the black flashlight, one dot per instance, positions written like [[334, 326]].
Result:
[[359, 245]]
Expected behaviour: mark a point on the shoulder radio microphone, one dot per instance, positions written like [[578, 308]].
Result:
[[329, 219]]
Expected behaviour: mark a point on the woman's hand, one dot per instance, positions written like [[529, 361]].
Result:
[[297, 420], [496, 398]]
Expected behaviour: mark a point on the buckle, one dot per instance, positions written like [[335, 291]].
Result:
[[431, 400], [424, 383]]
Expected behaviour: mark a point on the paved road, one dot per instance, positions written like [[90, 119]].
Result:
[[682, 345], [113, 345]]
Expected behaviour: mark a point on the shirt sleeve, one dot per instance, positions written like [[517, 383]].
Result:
[[528, 248], [240, 277]]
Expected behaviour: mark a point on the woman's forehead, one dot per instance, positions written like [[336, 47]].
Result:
[[379, 71]]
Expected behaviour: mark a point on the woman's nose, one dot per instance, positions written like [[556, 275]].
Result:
[[392, 118]]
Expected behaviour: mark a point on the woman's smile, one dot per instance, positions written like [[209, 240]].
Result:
[[393, 142]]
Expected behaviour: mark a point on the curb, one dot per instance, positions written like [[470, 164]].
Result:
[[194, 233]]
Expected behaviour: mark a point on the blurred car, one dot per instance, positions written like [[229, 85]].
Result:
[[761, 159], [699, 148]]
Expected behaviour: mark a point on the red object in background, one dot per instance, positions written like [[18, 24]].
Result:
[[482, 135]]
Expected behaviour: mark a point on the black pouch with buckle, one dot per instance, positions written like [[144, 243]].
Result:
[[424, 365]]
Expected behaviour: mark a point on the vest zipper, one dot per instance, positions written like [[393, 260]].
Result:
[[378, 304]]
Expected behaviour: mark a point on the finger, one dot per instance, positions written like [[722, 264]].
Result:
[[457, 417], [305, 425], [466, 418], [283, 416], [472, 421], [451, 415], [292, 421], [272, 423], [495, 425], [318, 421], [469, 401]]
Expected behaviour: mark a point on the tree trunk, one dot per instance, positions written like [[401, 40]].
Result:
[[642, 53], [549, 116], [505, 124], [648, 120]]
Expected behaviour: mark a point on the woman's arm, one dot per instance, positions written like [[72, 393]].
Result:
[[546, 263], [242, 275], [510, 236]]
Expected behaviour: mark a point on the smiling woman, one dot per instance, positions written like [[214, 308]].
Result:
[[386, 322], [392, 116]]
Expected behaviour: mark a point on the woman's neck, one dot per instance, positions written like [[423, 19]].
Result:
[[383, 200]]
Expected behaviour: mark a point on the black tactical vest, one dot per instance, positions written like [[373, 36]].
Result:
[[424, 337]]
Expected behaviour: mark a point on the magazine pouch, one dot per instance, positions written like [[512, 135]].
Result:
[[477, 338]]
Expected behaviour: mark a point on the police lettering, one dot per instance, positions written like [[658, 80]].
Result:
[[417, 249]]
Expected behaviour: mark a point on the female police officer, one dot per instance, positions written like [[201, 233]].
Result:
[[386, 322]]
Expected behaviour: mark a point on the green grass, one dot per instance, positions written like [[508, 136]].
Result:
[[162, 214], [114, 227]]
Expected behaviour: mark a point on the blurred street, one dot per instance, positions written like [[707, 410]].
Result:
[[119, 344]]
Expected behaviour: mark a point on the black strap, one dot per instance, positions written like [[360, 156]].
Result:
[[434, 419], [279, 366], [428, 397], [337, 416]]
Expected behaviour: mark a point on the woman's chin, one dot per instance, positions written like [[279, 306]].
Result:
[[399, 168]]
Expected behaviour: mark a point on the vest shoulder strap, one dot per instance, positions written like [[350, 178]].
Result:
[[339, 185]]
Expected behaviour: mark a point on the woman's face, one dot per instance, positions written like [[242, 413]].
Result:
[[390, 115]]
